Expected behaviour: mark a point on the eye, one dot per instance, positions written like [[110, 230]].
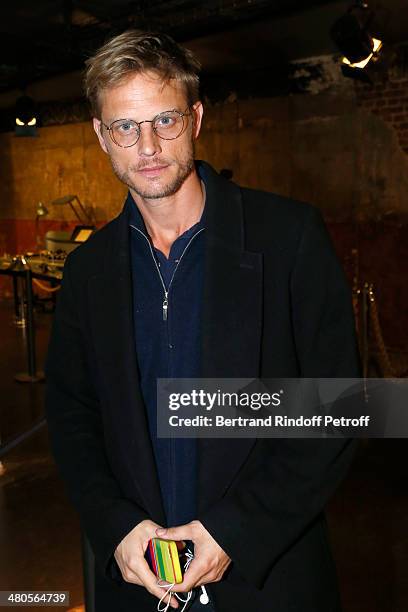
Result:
[[165, 121], [125, 126]]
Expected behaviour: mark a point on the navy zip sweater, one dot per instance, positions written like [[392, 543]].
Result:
[[168, 348]]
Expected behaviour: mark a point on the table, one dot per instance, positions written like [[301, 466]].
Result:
[[28, 269]]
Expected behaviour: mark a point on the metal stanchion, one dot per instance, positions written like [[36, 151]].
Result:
[[32, 375], [17, 302], [365, 331], [20, 319]]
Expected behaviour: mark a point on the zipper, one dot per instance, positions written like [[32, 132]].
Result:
[[165, 305]]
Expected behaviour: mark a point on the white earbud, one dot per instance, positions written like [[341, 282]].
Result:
[[204, 599]]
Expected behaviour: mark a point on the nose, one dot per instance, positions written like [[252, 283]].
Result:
[[148, 143]]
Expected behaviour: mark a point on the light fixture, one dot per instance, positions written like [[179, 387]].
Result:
[[353, 37], [41, 210], [377, 45], [25, 117], [70, 199], [32, 121]]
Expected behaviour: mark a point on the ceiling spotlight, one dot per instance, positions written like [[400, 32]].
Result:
[[377, 45], [352, 35]]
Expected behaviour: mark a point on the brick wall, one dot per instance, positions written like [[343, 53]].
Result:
[[389, 101]]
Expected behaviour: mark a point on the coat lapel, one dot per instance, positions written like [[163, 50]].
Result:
[[110, 298], [232, 324]]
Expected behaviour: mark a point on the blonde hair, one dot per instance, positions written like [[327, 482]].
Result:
[[134, 52]]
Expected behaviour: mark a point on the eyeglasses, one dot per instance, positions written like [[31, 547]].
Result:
[[167, 125]]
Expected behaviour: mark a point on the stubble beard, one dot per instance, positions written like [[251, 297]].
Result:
[[156, 191]]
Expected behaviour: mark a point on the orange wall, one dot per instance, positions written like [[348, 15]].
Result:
[[322, 149]]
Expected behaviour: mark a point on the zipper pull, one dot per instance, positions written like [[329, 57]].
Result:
[[165, 306]]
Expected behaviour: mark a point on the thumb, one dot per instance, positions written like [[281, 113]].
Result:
[[184, 532]]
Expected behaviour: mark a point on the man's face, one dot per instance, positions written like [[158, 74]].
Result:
[[153, 168]]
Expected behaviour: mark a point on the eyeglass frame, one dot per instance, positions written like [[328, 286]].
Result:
[[139, 123]]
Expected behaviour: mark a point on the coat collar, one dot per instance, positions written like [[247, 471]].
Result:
[[231, 333]]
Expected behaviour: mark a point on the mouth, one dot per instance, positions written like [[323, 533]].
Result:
[[152, 171]]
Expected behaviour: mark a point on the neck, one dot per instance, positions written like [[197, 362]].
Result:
[[169, 217]]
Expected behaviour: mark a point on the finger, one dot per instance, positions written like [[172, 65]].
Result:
[[184, 532], [129, 575], [207, 579], [215, 574], [192, 576], [148, 578], [150, 582], [128, 569], [201, 576], [170, 597]]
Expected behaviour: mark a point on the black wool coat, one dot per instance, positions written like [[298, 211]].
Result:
[[276, 304]]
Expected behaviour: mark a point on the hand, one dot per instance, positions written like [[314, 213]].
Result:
[[210, 561], [129, 555]]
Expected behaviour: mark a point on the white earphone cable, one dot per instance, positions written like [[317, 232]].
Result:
[[204, 599]]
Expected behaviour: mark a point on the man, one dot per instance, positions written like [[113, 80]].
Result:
[[195, 277]]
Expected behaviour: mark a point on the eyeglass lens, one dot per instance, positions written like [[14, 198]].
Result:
[[168, 126]]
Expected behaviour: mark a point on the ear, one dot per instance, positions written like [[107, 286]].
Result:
[[197, 111], [98, 127]]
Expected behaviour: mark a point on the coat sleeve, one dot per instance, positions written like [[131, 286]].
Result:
[[77, 438], [285, 483]]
